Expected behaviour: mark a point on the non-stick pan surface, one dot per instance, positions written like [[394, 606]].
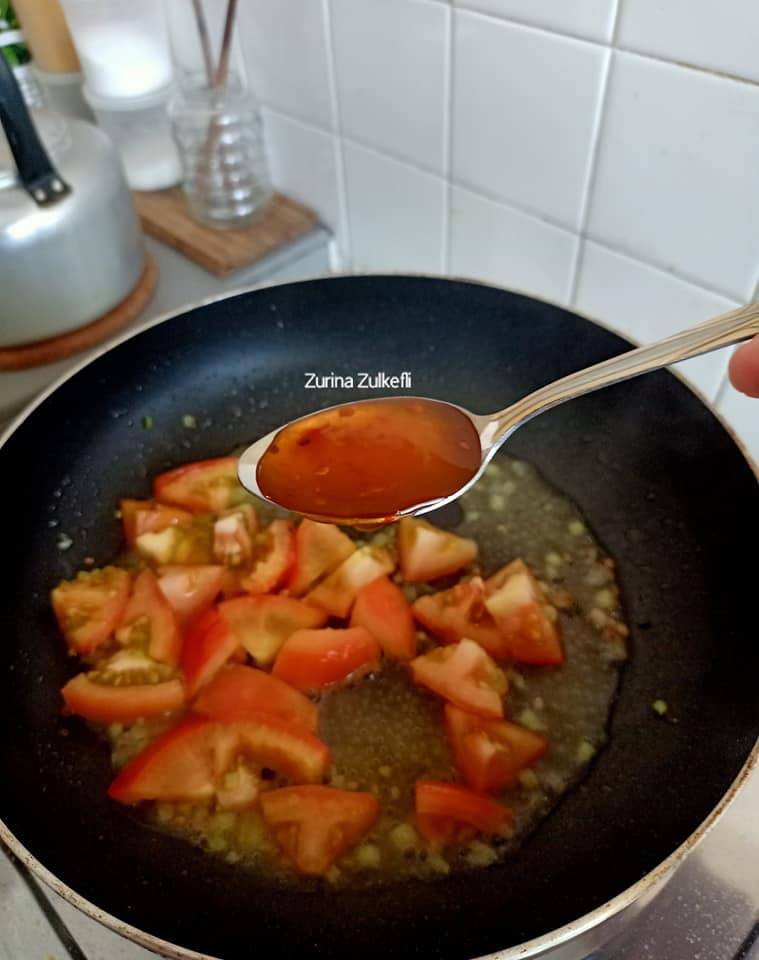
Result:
[[659, 479]]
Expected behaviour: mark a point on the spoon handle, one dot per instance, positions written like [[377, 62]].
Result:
[[721, 331]]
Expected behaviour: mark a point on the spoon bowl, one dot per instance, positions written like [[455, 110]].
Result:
[[369, 462]]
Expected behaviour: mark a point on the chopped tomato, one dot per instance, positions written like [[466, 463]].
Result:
[[148, 621], [186, 543], [190, 590], [319, 549], [89, 607], [313, 659], [465, 675], [105, 703], [207, 647], [233, 535], [262, 624], [236, 692], [426, 552], [208, 486], [448, 813], [192, 760], [490, 754], [316, 825], [381, 607], [147, 516], [525, 619], [184, 763], [459, 612], [271, 569], [338, 590]]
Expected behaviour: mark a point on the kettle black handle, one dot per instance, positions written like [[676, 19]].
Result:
[[37, 174]]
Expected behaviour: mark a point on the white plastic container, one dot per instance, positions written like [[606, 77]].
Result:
[[141, 130], [123, 46]]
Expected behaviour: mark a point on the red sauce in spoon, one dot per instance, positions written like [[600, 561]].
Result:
[[369, 461]]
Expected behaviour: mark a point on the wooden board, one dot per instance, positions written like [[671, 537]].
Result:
[[166, 216], [75, 341]]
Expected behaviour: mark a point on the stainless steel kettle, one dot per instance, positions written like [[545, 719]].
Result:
[[71, 247]]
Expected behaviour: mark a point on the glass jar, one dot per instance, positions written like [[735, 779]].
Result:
[[221, 143]]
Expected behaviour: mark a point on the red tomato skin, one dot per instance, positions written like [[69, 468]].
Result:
[[105, 704], [490, 754], [443, 808], [521, 613], [107, 590], [207, 647], [237, 692], [459, 613], [147, 600], [427, 553], [190, 590], [319, 549], [207, 486], [315, 825], [464, 675], [271, 571], [382, 609], [310, 660]]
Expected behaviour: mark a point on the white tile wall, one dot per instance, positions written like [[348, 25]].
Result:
[[495, 138], [285, 50], [647, 304], [716, 34], [396, 214], [498, 244], [525, 104], [303, 162], [592, 19], [677, 181], [392, 94]]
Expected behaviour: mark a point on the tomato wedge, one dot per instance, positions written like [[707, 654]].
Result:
[[208, 486], [524, 618], [381, 607], [319, 549], [271, 570], [338, 590], [426, 552], [147, 516], [313, 659], [105, 703], [179, 544], [465, 675], [448, 813], [148, 622], [236, 692], [316, 825], [191, 761], [490, 754], [190, 590], [207, 647], [262, 624], [459, 612], [89, 607]]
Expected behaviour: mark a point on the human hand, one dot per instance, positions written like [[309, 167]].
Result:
[[744, 368]]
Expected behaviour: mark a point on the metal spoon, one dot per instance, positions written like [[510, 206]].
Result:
[[494, 429]]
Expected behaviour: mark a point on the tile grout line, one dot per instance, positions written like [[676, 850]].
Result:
[[338, 145], [590, 182], [657, 57], [447, 141]]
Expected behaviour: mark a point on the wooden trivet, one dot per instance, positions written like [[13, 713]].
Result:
[[166, 216], [75, 341]]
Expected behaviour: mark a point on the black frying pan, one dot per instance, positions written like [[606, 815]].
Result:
[[661, 482]]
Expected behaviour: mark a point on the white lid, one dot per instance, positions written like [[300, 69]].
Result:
[[145, 101]]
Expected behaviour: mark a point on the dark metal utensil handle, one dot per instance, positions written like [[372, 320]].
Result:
[[39, 177]]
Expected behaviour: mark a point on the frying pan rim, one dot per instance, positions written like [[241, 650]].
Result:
[[537, 945]]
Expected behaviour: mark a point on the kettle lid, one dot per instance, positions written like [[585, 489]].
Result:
[[53, 131]]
